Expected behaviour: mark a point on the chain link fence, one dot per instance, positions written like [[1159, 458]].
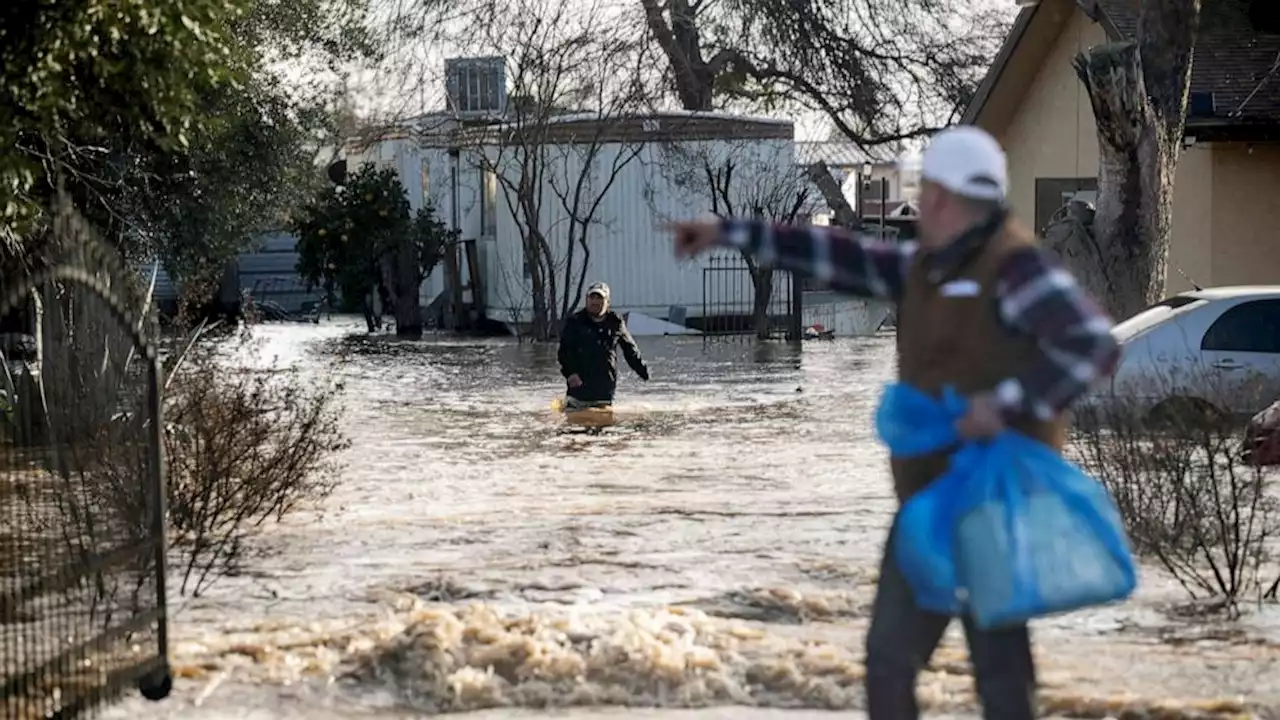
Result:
[[82, 502]]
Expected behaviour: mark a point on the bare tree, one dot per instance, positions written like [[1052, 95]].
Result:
[[510, 292], [1191, 497], [564, 142], [741, 179], [1138, 90], [883, 71]]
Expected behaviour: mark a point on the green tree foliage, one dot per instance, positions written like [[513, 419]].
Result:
[[359, 235], [75, 74], [254, 164], [167, 121]]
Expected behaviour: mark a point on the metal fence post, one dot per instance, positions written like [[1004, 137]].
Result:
[[795, 332]]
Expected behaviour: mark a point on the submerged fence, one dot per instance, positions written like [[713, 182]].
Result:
[[729, 300], [82, 505]]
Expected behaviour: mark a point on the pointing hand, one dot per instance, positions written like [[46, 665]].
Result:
[[694, 237]]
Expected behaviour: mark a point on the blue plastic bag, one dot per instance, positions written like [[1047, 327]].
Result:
[[912, 423], [1011, 532]]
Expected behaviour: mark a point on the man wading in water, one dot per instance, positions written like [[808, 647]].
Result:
[[980, 308], [588, 352]]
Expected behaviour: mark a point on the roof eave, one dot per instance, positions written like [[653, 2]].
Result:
[[1091, 8], [1265, 130], [983, 93]]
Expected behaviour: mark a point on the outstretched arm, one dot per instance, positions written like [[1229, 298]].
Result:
[[1037, 296], [834, 256], [631, 353]]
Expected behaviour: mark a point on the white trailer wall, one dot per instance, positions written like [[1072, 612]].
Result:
[[664, 182]]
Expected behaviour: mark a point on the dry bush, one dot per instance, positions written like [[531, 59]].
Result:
[[76, 456], [244, 447], [1188, 499], [81, 498]]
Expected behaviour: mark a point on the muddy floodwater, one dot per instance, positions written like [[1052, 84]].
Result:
[[717, 547]]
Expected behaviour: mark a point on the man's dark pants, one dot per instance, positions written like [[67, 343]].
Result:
[[903, 637]]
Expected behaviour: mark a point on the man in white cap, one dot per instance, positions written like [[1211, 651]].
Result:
[[588, 352], [981, 308]]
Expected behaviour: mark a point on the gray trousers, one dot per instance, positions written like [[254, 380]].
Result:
[[903, 637]]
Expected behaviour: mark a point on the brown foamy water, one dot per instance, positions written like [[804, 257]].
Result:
[[717, 546]]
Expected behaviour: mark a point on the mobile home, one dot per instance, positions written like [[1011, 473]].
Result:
[[628, 174]]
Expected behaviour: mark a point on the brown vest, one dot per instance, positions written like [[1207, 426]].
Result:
[[961, 342]]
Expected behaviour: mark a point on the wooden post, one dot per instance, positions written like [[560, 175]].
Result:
[[884, 199], [475, 281], [453, 268]]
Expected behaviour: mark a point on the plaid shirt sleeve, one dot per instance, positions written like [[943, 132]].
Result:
[[1038, 297], [834, 256]]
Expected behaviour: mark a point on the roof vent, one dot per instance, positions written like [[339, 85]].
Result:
[[1200, 105], [477, 87]]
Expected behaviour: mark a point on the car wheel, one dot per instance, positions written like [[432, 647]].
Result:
[[1186, 413]]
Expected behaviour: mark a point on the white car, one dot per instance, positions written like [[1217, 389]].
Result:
[[1213, 351]]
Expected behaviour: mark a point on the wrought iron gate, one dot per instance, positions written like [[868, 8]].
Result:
[[728, 300], [82, 504]]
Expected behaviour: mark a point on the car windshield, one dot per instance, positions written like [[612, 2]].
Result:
[[1154, 315]]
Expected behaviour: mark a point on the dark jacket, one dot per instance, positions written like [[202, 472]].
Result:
[[588, 349]]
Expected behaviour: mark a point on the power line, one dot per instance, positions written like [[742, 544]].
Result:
[[1270, 73]]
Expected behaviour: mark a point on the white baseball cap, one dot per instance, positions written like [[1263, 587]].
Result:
[[967, 161]]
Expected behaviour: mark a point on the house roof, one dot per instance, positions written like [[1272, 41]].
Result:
[[656, 127], [1239, 65], [837, 154], [442, 130], [587, 128]]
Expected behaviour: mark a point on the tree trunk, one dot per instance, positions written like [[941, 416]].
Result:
[[1138, 91], [581, 280], [1125, 262], [693, 77], [820, 175], [551, 286], [541, 325], [330, 299], [762, 286], [370, 306], [404, 280], [571, 247]]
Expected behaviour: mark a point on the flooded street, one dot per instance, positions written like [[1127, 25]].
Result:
[[718, 546]]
